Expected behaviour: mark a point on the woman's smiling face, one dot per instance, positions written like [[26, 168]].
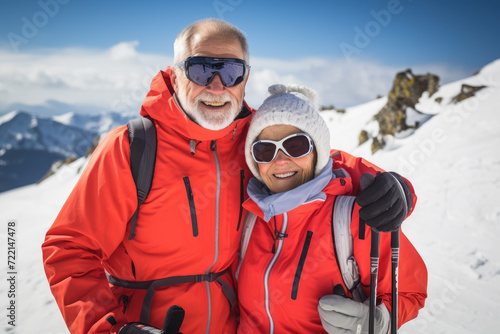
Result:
[[285, 173]]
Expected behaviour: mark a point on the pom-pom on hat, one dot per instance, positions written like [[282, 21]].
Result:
[[291, 105]]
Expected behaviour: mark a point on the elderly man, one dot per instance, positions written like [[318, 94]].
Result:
[[108, 275], [188, 226]]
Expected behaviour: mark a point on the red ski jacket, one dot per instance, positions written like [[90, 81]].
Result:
[[281, 289], [188, 225]]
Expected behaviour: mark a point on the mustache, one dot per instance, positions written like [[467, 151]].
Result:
[[226, 97]]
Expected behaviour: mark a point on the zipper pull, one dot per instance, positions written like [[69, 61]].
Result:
[[192, 146], [277, 235], [213, 145], [234, 131], [273, 250]]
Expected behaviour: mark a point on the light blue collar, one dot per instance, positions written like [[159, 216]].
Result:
[[273, 204]]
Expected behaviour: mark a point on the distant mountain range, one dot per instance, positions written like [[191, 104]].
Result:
[[31, 143], [52, 108]]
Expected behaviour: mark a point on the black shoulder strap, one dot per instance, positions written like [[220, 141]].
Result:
[[142, 139]]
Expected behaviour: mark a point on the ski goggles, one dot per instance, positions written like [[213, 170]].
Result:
[[296, 146], [202, 70]]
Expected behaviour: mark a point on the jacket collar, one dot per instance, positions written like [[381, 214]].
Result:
[[161, 105], [266, 204]]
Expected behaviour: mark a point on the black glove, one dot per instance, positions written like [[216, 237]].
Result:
[[385, 200], [171, 325]]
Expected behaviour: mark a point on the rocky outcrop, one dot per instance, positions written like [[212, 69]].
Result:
[[363, 137], [92, 147], [408, 88], [55, 166], [377, 144], [465, 92], [327, 107], [405, 93], [331, 107]]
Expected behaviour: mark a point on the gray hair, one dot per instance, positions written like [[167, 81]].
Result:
[[217, 28]]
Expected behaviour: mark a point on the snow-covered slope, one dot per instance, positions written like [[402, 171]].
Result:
[[33, 208], [452, 160]]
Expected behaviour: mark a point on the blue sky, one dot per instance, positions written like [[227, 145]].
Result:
[[452, 37]]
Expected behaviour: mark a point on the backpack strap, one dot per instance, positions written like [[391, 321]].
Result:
[[150, 287], [246, 233], [142, 139], [343, 246]]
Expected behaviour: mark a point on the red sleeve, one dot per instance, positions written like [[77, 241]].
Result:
[[412, 272], [358, 166], [88, 229]]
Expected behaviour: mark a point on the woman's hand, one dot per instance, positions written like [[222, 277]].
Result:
[[385, 200], [345, 316]]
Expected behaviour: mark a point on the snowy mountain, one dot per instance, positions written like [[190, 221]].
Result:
[[21, 130], [52, 108], [31, 143], [100, 123], [451, 158]]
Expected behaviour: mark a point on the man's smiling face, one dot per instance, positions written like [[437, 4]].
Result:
[[213, 106]]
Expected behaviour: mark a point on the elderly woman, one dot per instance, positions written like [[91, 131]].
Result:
[[289, 261]]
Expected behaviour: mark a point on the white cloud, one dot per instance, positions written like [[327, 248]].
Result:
[[79, 76], [118, 78], [124, 51], [337, 81]]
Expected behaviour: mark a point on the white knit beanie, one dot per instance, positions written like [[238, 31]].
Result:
[[291, 105]]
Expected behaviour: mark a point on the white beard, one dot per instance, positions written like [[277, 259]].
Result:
[[212, 120]]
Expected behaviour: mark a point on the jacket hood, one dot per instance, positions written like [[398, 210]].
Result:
[[160, 104], [266, 204]]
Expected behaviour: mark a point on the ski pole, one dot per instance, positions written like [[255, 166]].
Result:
[[374, 257], [395, 260]]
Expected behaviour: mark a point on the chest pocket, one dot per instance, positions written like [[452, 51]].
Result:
[[302, 260]]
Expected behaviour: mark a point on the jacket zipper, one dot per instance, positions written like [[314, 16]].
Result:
[[302, 260], [192, 209], [242, 196], [213, 147], [268, 272]]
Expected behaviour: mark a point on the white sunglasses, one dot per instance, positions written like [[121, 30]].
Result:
[[296, 145]]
